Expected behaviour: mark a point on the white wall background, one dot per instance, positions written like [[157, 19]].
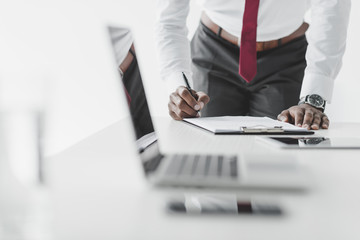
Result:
[[64, 44]]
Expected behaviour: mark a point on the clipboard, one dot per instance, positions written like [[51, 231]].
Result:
[[246, 125], [262, 129]]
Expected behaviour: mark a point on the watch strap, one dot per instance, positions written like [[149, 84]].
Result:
[[301, 101]]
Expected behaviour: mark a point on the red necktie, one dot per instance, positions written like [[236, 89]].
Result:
[[127, 95], [247, 61]]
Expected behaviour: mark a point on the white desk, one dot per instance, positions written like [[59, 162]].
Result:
[[99, 193]]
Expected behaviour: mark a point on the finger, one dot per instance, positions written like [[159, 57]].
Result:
[[316, 121], [184, 93], [298, 115], [325, 122], [179, 113], [171, 107], [284, 116], [174, 116], [203, 99], [182, 105], [308, 118]]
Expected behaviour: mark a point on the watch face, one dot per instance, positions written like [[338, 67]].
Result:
[[313, 141], [315, 100]]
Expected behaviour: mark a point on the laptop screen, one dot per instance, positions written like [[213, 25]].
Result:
[[131, 81]]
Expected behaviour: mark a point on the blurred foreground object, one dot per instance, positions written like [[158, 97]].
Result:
[[24, 208], [24, 212]]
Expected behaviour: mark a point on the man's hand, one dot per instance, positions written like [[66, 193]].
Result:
[[305, 116], [183, 105]]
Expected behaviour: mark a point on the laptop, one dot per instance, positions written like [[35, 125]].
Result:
[[192, 170]]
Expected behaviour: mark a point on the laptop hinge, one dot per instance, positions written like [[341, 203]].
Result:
[[152, 164]]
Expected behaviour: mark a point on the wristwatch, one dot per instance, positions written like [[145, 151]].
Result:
[[312, 140], [314, 100]]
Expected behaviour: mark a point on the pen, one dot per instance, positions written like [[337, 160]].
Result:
[[188, 85]]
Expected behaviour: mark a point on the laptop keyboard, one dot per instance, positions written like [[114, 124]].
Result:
[[202, 166]]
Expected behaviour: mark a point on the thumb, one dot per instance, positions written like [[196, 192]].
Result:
[[203, 99], [284, 116]]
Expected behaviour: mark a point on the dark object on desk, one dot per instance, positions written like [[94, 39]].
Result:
[[315, 142], [218, 206]]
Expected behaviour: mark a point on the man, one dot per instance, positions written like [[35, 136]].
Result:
[[251, 57]]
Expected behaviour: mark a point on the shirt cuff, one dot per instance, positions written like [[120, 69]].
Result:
[[175, 80], [314, 83]]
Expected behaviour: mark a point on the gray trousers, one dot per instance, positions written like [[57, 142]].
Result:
[[276, 87]]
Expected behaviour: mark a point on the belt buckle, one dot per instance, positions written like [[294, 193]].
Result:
[[121, 72]]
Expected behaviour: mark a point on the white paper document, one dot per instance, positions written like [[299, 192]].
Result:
[[245, 125], [146, 141]]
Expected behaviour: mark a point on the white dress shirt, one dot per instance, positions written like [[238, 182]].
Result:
[[276, 19], [121, 39]]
